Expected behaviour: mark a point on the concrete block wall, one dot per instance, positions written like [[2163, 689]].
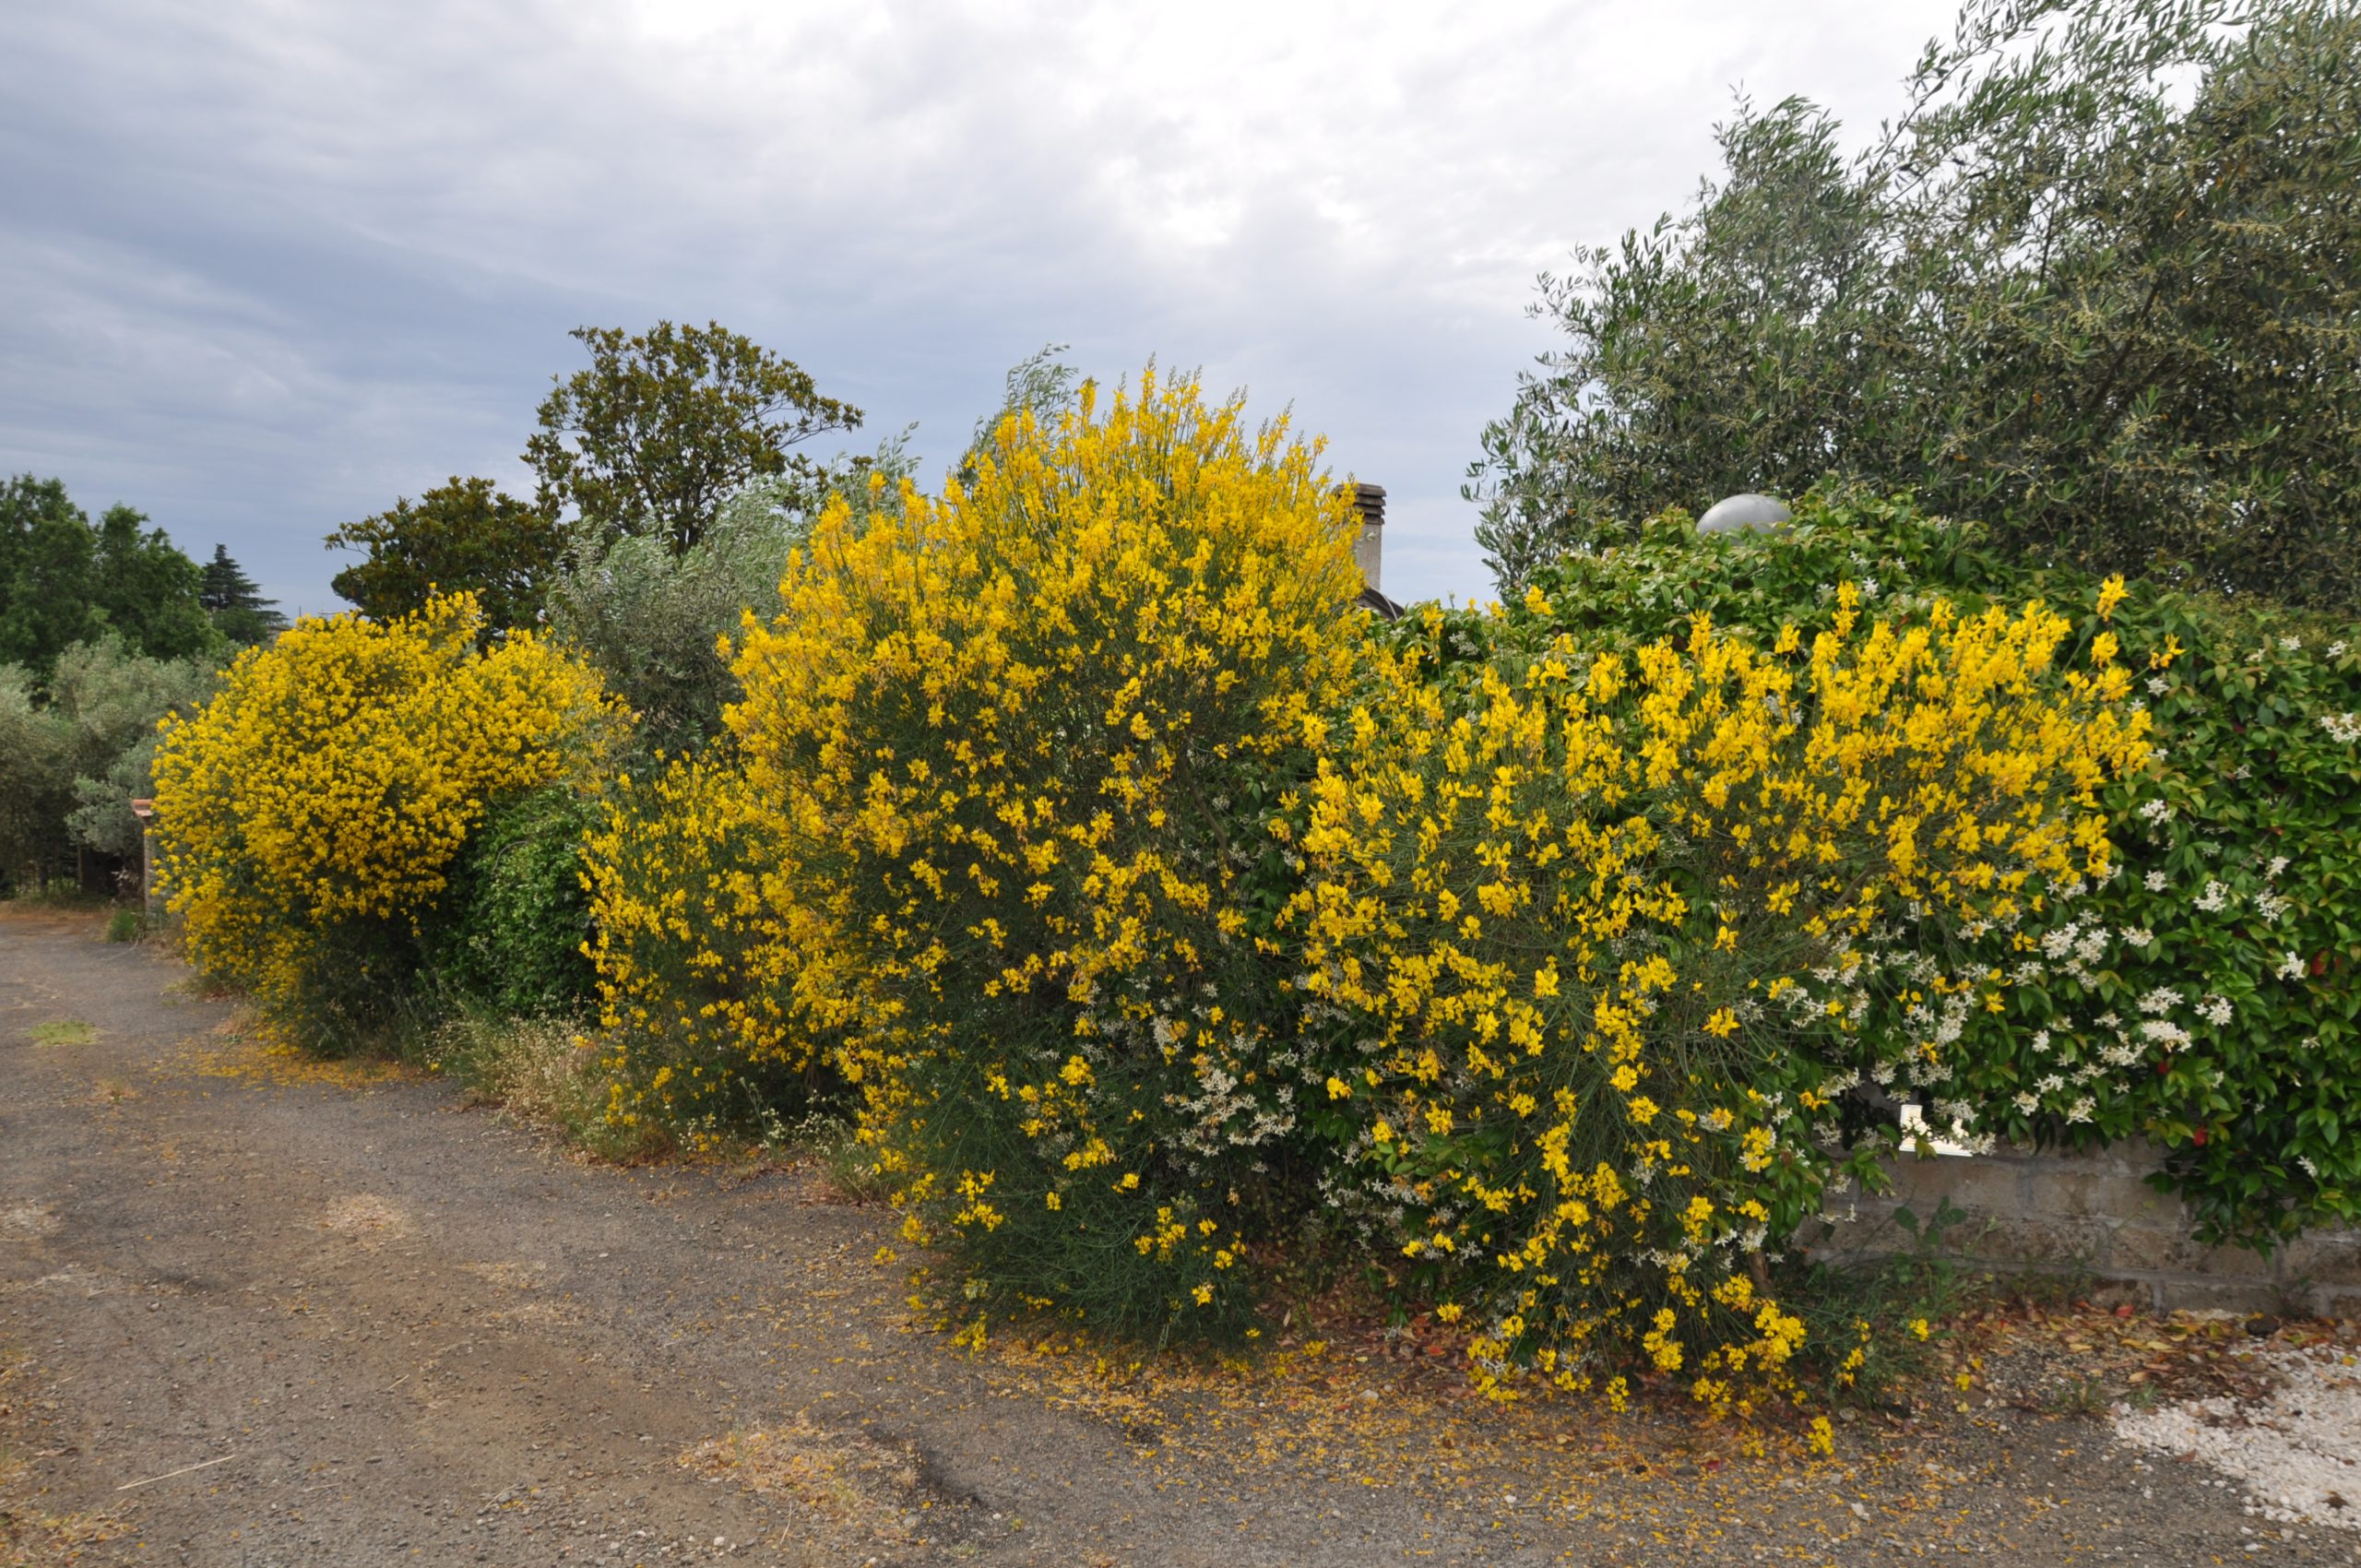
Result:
[[2091, 1215]]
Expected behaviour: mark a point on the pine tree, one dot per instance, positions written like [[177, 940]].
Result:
[[236, 605]]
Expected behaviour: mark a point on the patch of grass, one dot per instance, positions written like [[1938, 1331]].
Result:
[[129, 925], [544, 1071], [65, 1031], [2081, 1396], [845, 1164]]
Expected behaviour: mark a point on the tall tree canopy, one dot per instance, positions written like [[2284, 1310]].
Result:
[[45, 550], [466, 534], [2099, 286], [145, 590], [64, 580], [666, 426]]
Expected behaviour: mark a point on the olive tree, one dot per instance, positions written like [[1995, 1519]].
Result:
[[2099, 285]]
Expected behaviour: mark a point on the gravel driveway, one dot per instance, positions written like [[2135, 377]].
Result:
[[265, 1315]]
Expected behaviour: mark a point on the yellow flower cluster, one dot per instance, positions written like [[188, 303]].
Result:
[[1608, 933], [1019, 741], [307, 817], [695, 952]]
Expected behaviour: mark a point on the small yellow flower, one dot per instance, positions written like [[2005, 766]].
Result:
[[2111, 593]]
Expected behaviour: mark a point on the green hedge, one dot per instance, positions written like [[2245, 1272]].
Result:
[[2205, 997], [517, 916]]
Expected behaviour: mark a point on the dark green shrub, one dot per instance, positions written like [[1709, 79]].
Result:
[[516, 915]]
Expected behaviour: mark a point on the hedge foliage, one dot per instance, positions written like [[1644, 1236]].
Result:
[[308, 817], [2204, 996], [1616, 936], [517, 937], [1150, 904]]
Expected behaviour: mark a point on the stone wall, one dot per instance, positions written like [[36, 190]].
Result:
[[2094, 1215]]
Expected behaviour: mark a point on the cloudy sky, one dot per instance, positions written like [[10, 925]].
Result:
[[266, 264]]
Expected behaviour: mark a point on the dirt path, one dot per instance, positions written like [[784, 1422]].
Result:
[[394, 1330]]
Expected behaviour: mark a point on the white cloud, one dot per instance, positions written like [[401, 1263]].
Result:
[[273, 263]]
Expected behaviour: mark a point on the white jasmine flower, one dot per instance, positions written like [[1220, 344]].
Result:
[[2157, 881], [2214, 897], [2141, 937], [2215, 1010], [2294, 967]]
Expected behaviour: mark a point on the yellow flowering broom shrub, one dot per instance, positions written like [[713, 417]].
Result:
[[1024, 739], [308, 817], [695, 963], [1611, 939]]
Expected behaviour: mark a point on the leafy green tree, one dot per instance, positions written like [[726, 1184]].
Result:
[[666, 426], [45, 559], [2100, 286], [107, 699], [35, 778], [464, 535], [652, 621], [237, 606], [146, 590], [63, 581]]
